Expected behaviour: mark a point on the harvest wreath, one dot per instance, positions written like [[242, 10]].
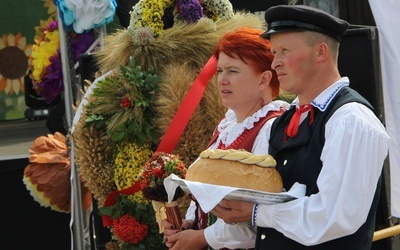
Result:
[[122, 106], [126, 114]]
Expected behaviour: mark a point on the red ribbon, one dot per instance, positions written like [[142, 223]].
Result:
[[175, 128], [111, 199], [187, 107]]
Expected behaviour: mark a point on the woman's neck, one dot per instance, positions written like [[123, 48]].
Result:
[[241, 116]]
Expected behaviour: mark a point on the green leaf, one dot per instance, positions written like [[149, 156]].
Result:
[[118, 135], [108, 210]]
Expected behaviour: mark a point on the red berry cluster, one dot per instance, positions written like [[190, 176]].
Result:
[[126, 103], [128, 229]]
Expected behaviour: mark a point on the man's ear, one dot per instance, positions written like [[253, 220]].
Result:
[[266, 79], [323, 52]]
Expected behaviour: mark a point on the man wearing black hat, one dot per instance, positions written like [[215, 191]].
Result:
[[330, 140]]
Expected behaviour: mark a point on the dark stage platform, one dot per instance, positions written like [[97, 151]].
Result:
[[24, 223]]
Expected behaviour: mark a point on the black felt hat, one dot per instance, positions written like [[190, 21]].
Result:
[[284, 18]]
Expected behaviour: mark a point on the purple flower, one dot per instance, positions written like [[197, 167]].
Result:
[[52, 26], [52, 83], [190, 10], [81, 43]]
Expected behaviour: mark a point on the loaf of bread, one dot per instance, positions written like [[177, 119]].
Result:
[[236, 168]]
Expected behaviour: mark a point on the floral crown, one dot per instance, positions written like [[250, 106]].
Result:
[[149, 18]]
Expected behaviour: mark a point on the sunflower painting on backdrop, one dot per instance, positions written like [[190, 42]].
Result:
[[151, 112], [14, 65], [15, 51]]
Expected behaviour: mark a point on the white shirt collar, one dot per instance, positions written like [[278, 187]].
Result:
[[325, 97], [229, 128]]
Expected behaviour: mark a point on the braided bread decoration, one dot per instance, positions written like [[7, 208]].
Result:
[[240, 156], [236, 168]]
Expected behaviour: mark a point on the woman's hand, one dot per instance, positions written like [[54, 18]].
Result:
[[169, 229], [234, 211]]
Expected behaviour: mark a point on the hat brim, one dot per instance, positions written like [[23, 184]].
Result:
[[268, 33]]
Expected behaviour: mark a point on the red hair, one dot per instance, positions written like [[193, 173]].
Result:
[[247, 44]]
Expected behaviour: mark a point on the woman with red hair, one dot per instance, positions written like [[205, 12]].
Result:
[[248, 87]]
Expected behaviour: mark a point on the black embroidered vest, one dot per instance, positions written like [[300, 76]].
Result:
[[298, 160]]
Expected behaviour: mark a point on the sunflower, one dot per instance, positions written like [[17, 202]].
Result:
[[52, 8], [14, 63], [39, 30]]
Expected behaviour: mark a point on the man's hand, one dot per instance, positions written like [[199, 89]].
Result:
[[234, 211]]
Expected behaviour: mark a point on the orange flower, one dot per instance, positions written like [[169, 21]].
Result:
[[47, 177], [158, 167]]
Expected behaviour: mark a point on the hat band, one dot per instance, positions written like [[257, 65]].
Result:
[[293, 24]]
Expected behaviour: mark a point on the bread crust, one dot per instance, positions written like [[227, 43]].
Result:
[[236, 168]]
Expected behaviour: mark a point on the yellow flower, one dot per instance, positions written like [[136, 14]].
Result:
[[149, 14], [128, 167], [14, 62], [139, 198], [39, 30], [42, 52], [128, 163]]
